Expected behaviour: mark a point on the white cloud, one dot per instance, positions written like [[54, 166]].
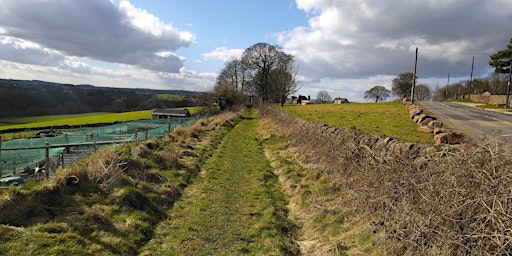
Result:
[[347, 43], [96, 29], [19, 50], [224, 54], [353, 38]]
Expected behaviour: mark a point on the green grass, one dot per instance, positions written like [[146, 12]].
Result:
[[195, 110], [236, 208], [382, 119], [78, 119], [170, 97]]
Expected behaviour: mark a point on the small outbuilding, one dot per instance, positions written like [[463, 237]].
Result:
[[165, 113], [340, 100]]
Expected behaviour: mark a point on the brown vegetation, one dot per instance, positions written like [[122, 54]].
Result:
[[396, 198]]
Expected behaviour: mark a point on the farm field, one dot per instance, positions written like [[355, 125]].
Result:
[[75, 119], [78, 119], [382, 119]]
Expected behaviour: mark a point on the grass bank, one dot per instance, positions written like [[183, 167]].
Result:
[[235, 208], [382, 119], [116, 199]]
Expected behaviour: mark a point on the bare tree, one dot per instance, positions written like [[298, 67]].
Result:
[[270, 72], [284, 81], [323, 97], [228, 89], [233, 74], [377, 93]]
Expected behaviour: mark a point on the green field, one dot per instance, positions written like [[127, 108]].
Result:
[[383, 119], [170, 97], [78, 119]]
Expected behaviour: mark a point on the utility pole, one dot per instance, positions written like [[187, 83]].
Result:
[[509, 81], [447, 87], [414, 76], [471, 77]]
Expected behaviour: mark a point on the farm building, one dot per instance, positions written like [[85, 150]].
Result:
[[339, 100], [165, 113], [301, 100]]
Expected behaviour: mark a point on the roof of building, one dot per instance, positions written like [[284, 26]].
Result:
[[171, 112]]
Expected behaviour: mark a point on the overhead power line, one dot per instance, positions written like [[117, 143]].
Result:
[[465, 53]]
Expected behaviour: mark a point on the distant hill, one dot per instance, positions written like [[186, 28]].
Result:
[[19, 98]]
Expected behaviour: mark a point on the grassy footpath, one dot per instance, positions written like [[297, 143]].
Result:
[[236, 207]]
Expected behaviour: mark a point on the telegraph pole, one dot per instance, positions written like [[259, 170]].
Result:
[[414, 77], [471, 77], [509, 81], [448, 87]]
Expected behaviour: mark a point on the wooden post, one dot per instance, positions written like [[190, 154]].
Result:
[[507, 101], [1, 163], [136, 134], [168, 127], [414, 77], [146, 133], [47, 160]]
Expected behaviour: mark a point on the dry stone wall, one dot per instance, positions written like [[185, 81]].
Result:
[[358, 143], [430, 124]]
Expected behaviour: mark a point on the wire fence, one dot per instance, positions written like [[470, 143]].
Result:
[[68, 146]]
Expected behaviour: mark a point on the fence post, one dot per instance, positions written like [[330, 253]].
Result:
[[1, 163], [47, 160], [168, 127], [146, 133], [136, 135]]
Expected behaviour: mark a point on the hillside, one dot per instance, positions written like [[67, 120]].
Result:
[[21, 98]]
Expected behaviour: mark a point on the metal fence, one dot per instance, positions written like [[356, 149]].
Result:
[[29, 155]]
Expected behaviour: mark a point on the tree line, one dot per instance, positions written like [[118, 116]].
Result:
[[21, 98]]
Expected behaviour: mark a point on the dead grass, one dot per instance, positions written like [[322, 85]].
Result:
[[358, 194]]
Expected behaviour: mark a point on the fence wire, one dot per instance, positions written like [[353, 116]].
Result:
[[26, 155]]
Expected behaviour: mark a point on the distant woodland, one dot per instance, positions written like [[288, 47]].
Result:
[[21, 98]]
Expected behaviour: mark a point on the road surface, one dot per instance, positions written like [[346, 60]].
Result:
[[477, 123]]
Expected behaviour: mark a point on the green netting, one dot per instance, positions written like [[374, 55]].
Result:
[[20, 155]]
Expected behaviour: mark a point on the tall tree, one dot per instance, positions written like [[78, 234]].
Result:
[[377, 93], [402, 84], [270, 71], [228, 89], [233, 74], [502, 63], [283, 81], [323, 97], [501, 60], [422, 92]]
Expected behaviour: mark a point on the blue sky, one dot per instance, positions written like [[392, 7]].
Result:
[[342, 46]]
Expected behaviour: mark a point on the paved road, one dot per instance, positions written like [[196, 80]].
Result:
[[473, 121]]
